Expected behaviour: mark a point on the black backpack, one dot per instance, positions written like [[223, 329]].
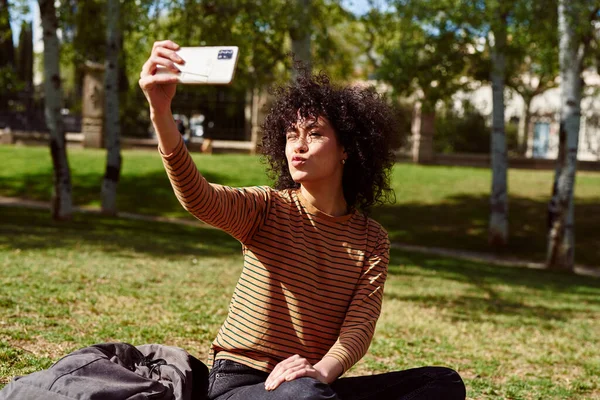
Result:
[[116, 371]]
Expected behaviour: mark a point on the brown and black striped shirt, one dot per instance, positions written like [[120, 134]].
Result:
[[312, 284]]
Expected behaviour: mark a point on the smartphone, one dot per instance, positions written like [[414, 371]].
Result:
[[210, 65]]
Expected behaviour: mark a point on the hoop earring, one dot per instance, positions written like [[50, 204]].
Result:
[[343, 162]]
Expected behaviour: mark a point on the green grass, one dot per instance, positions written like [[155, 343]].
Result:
[[435, 206], [512, 333]]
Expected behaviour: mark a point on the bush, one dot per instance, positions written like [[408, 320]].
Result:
[[11, 85], [511, 130], [466, 133]]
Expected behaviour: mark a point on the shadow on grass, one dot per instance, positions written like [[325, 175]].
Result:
[[149, 194], [498, 291], [461, 222], [33, 229], [495, 293]]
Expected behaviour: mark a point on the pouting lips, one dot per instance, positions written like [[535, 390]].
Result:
[[298, 161]]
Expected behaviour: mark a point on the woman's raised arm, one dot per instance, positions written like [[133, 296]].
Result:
[[160, 90]]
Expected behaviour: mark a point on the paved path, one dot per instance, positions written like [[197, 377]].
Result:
[[452, 253]]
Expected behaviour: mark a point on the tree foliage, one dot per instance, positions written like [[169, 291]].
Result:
[[420, 48], [24, 55], [7, 50]]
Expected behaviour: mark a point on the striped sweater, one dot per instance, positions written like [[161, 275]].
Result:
[[312, 284]]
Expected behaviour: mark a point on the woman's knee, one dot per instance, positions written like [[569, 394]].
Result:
[[449, 381], [304, 388]]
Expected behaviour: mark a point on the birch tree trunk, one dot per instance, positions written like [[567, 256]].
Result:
[[300, 32], [561, 237], [62, 205], [111, 110], [498, 228]]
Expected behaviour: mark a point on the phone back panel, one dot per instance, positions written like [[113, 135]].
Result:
[[206, 65]]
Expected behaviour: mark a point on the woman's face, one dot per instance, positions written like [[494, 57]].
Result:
[[313, 152]]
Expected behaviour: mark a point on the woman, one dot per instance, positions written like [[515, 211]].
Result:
[[306, 304]]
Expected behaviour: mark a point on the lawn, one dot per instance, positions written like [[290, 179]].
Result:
[[435, 206], [512, 333]]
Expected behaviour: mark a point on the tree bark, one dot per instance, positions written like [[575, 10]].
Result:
[[112, 122], [300, 32], [498, 228], [561, 237], [423, 130], [62, 205]]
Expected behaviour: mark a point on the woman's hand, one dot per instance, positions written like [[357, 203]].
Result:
[[292, 368], [160, 89]]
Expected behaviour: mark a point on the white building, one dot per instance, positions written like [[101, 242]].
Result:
[[542, 135]]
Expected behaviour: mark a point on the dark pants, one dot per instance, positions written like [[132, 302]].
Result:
[[233, 381]]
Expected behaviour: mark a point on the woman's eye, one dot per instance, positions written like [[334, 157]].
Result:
[[315, 134], [291, 138]]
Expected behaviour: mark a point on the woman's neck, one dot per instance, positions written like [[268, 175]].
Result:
[[328, 199]]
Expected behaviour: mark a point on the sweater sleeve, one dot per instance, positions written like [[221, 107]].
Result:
[[237, 211], [364, 310]]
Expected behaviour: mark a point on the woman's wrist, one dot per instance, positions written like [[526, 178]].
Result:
[[160, 115], [329, 368], [166, 131]]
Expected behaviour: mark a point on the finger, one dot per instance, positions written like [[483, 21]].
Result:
[[151, 66], [147, 69], [164, 62], [148, 82], [169, 44], [290, 360], [300, 372], [284, 366], [279, 368], [291, 374], [169, 54]]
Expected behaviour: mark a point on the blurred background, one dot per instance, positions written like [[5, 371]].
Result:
[[437, 52]]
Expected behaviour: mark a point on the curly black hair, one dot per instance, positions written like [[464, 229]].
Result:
[[364, 124]]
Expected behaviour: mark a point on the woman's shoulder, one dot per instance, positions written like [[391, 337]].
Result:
[[375, 229], [370, 226]]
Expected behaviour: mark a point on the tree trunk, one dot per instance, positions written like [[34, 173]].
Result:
[[498, 229], [523, 134], [62, 206], [257, 116], [112, 122], [300, 32], [561, 237], [423, 130]]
